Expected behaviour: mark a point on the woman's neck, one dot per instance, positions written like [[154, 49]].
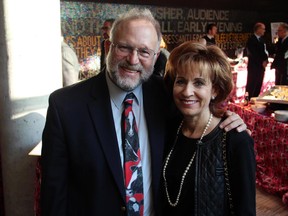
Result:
[[194, 128]]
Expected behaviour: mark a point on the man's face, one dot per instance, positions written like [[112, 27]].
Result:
[[281, 32], [126, 67], [261, 30], [213, 31], [106, 29]]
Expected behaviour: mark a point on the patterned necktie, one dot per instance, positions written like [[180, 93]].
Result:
[[132, 160]]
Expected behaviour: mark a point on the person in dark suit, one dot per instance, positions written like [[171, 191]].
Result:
[[210, 34], [106, 28], [160, 64], [281, 56], [82, 152], [257, 60]]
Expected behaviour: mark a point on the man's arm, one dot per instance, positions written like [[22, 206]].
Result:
[[54, 163], [232, 121]]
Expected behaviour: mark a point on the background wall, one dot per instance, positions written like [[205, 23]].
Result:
[[81, 23], [255, 5], [30, 69]]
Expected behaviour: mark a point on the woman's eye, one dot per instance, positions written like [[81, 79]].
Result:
[[199, 83], [179, 82]]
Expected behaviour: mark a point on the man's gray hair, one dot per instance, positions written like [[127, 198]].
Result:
[[134, 14]]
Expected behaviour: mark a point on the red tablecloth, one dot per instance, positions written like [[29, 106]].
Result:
[[271, 146], [37, 209]]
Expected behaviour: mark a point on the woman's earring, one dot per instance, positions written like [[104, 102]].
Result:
[[213, 97]]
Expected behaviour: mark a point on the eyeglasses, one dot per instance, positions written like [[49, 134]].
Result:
[[125, 50]]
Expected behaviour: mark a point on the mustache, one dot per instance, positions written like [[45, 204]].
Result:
[[137, 67]]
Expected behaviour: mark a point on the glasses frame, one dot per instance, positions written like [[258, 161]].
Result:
[[130, 50]]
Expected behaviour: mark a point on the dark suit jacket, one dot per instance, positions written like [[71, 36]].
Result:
[[209, 41], [256, 57], [280, 63], [256, 52], [81, 166]]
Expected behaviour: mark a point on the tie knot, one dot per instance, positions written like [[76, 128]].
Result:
[[128, 100]]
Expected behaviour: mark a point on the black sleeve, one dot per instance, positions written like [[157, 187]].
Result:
[[242, 172]]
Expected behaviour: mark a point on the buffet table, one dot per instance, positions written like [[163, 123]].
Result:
[[271, 146], [239, 72]]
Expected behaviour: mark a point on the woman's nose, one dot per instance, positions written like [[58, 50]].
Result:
[[188, 90]]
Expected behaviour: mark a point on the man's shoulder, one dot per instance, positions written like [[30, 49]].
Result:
[[285, 43], [79, 90], [206, 37]]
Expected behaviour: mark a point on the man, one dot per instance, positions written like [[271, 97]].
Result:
[[106, 28], [82, 154], [70, 64], [257, 60], [211, 32], [160, 64], [281, 56]]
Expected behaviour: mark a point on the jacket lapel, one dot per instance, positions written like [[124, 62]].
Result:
[[101, 114], [155, 118]]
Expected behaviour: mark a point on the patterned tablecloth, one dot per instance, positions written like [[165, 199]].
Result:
[[271, 146]]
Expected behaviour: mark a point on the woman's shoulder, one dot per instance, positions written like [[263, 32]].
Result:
[[239, 140]]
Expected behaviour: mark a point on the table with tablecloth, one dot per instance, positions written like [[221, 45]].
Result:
[[271, 147], [239, 72]]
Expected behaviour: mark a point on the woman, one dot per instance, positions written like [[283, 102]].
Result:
[[195, 180]]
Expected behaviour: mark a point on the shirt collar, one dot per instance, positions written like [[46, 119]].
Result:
[[117, 95], [210, 36], [257, 36]]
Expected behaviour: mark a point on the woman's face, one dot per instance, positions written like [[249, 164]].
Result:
[[192, 93]]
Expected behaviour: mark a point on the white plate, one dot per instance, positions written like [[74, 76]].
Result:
[[281, 115]]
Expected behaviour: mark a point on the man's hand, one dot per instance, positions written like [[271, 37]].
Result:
[[232, 121]]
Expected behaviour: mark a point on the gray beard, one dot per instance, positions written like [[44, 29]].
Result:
[[123, 83]]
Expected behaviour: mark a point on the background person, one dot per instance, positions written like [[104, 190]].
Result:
[[194, 170], [257, 60], [82, 152], [70, 64], [211, 32], [281, 56], [106, 28], [160, 64]]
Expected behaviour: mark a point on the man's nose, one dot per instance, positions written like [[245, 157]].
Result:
[[133, 57]]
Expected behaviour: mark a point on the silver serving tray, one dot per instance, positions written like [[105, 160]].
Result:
[[269, 97]]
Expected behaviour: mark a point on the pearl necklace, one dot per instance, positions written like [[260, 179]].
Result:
[[188, 166]]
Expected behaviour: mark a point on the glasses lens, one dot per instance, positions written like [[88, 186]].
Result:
[[145, 53], [124, 50]]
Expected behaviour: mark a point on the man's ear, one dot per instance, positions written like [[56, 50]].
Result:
[[158, 53]]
